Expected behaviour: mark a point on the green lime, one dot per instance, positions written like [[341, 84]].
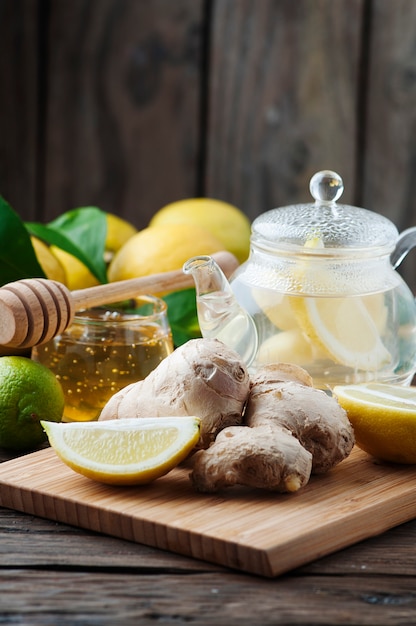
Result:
[[29, 392]]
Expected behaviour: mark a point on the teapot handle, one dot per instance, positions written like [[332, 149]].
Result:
[[405, 243]]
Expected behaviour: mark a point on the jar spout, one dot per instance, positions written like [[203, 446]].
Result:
[[220, 315]]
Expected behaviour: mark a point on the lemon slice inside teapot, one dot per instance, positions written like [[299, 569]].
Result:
[[344, 328]]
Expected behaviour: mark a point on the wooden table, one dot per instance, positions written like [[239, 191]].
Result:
[[51, 573]]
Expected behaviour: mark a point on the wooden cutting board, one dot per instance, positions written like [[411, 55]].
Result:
[[249, 530]]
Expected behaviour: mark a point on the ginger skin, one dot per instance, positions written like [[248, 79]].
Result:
[[314, 418], [266, 457], [203, 377], [273, 373]]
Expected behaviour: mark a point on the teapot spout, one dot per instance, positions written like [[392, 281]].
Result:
[[220, 315]]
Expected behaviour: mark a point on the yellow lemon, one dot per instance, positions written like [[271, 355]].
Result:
[[225, 221], [78, 276], [29, 392], [289, 346], [161, 249], [384, 419], [50, 264], [119, 231], [124, 451], [377, 309], [277, 307], [343, 329]]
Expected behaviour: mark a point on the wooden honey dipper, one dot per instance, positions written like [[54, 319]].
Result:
[[34, 310]]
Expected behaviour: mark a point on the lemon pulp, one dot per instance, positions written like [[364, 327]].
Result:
[[344, 329], [124, 451]]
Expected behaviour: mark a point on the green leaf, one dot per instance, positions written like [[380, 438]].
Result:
[[182, 315], [17, 256], [81, 232]]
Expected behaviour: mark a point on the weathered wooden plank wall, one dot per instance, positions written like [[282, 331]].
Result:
[[123, 98], [284, 91], [100, 104], [389, 155], [19, 105], [131, 104]]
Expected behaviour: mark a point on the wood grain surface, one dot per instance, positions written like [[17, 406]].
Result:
[[257, 532], [53, 573], [59, 574]]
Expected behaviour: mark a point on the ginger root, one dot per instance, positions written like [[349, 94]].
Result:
[[291, 430], [270, 430], [203, 377], [313, 417], [265, 457]]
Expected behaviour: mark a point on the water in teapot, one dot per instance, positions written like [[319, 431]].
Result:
[[338, 340]]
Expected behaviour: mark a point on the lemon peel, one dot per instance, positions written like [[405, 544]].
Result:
[[161, 248], [223, 220], [78, 276], [124, 451], [383, 417], [119, 231], [50, 263]]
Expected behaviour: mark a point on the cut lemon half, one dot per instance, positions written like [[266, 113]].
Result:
[[130, 451], [384, 419], [344, 329]]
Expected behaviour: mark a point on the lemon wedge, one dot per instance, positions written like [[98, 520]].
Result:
[[344, 329], [383, 417], [124, 451]]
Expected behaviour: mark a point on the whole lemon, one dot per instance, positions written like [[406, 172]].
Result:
[[50, 264], [225, 221], [29, 393], [161, 249], [119, 231], [78, 276]]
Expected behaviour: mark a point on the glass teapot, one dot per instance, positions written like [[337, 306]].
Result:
[[320, 289]]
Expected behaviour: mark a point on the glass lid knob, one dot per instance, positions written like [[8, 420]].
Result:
[[326, 187]]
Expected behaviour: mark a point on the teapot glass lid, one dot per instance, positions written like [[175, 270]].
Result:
[[338, 228]]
